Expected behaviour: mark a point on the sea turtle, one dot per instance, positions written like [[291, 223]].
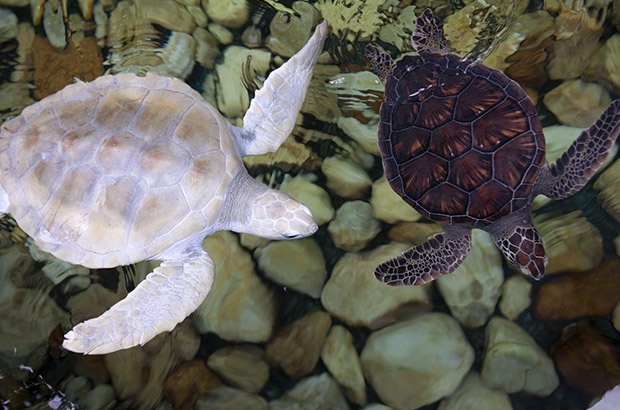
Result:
[[462, 144], [129, 168]]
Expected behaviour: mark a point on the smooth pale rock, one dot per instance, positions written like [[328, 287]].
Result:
[[8, 25], [343, 362], [397, 33], [363, 134], [587, 357], [199, 16], [387, 206], [577, 103], [575, 32], [353, 295], [515, 296], [298, 264], [228, 398], [232, 96], [357, 93], [207, 50], [354, 226], [241, 366], [100, 397], [54, 25], [221, 34], [296, 347], [414, 233], [187, 382], [604, 67], [473, 394], [414, 363], [169, 14], [472, 290], [572, 296], [138, 374], [608, 183], [303, 189], [228, 13], [615, 317], [312, 393], [345, 177], [240, 307], [572, 243], [290, 31], [514, 362]]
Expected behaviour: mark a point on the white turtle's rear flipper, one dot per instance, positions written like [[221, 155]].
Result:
[[275, 107], [570, 172], [441, 254], [167, 296]]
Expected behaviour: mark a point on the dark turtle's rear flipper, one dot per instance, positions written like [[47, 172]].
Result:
[[570, 172], [523, 247], [441, 254]]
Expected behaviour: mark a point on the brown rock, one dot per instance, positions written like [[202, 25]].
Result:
[[297, 346], [571, 296], [587, 359], [188, 382], [54, 69]]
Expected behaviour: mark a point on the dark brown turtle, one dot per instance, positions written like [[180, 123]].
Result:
[[463, 145]]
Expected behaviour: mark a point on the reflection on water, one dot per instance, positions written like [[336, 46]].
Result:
[[304, 322]]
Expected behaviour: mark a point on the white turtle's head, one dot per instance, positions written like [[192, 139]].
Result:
[[276, 215]]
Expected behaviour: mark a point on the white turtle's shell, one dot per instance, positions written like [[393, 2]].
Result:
[[118, 170]]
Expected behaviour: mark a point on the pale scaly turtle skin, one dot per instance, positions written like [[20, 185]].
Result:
[[129, 168], [462, 144]]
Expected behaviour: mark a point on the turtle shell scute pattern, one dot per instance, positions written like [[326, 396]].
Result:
[[118, 170], [460, 143]]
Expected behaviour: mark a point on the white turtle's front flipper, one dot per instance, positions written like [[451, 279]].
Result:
[[167, 296], [569, 173], [275, 107], [521, 245], [441, 254]]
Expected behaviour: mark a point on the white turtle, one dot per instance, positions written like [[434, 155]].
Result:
[[126, 168]]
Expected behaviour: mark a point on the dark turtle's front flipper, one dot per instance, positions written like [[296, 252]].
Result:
[[523, 247], [381, 62], [428, 36], [441, 254], [570, 172]]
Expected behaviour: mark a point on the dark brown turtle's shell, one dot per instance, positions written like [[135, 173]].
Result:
[[461, 143]]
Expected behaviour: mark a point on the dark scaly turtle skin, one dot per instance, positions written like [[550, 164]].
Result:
[[462, 144]]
